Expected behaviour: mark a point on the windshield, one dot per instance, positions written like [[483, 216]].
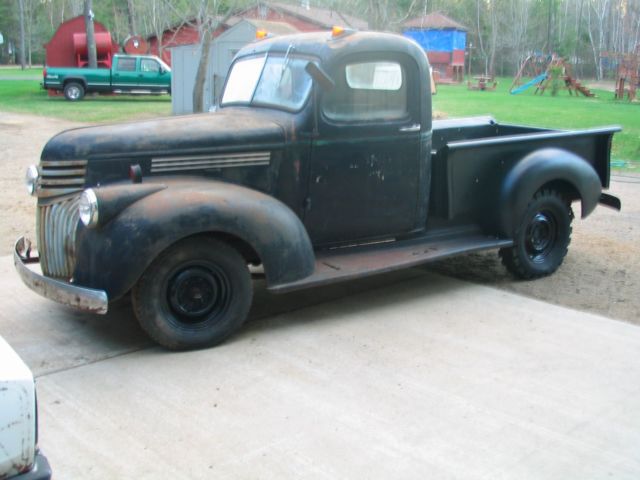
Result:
[[270, 81], [166, 67]]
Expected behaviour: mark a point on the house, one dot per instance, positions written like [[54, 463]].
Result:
[[444, 40], [186, 33], [302, 17]]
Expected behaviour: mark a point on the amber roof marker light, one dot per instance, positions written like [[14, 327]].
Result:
[[339, 31]]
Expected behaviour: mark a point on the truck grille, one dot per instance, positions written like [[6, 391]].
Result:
[[56, 229], [61, 177]]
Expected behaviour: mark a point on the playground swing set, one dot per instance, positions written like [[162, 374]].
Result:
[[627, 74], [547, 71]]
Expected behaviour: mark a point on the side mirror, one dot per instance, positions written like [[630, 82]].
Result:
[[320, 76]]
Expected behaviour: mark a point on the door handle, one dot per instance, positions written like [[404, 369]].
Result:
[[411, 128]]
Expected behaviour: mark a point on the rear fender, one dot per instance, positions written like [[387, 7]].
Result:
[[81, 80], [541, 168], [113, 256]]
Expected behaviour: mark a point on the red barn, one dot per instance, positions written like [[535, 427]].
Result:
[[68, 46], [303, 18], [184, 34]]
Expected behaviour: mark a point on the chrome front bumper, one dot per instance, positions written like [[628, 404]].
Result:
[[86, 299]]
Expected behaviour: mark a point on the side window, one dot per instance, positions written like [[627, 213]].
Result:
[[149, 65], [368, 91], [127, 64]]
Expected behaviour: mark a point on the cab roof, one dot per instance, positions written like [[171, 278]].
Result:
[[329, 48]]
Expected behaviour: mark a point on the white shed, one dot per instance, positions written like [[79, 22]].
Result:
[[185, 60]]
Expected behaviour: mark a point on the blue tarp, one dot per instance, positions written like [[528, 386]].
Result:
[[439, 40], [459, 40]]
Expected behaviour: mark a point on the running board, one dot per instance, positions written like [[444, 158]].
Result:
[[356, 262], [141, 92]]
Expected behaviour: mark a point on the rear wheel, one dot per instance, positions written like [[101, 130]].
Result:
[[541, 241], [194, 295], [73, 91]]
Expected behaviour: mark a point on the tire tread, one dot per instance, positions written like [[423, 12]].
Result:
[[511, 257], [148, 317]]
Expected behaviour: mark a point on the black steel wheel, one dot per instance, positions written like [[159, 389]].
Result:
[[74, 91], [542, 239], [194, 295]]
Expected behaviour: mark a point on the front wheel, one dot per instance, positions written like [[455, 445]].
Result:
[[194, 295], [542, 239]]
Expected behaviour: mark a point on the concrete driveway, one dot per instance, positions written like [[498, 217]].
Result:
[[408, 375]]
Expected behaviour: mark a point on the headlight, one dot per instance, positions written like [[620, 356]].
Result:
[[88, 208], [31, 179]]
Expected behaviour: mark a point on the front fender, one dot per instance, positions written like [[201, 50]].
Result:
[[113, 256], [540, 168]]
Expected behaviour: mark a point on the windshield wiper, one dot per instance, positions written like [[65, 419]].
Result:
[[286, 61]]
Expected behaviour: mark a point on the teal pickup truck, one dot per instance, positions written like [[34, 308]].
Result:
[[134, 74]]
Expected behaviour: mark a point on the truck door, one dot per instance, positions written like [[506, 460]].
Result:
[[151, 76], [365, 163], [125, 73]]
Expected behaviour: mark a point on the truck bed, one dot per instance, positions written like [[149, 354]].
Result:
[[471, 156]]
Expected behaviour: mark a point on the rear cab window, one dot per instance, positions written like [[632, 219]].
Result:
[[126, 64], [368, 91]]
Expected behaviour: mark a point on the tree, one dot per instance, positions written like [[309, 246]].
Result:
[[598, 12], [480, 36], [385, 15], [91, 38], [22, 36], [208, 21], [206, 25], [131, 17], [161, 15], [503, 31]]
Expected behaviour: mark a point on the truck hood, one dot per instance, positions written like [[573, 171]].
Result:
[[178, 135]]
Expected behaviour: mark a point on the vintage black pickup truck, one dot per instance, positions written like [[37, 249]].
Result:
[[322, 164]]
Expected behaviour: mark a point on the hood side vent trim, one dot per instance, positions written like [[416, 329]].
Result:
[[204, 162]]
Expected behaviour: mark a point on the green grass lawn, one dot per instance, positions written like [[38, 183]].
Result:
[[563, 112], [26, 96], [34, 73]]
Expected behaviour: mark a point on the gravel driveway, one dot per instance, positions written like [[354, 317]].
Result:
[[601, 273]]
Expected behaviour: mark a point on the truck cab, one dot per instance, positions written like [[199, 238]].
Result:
[[363, 146], [138, 72], [322, 164]]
